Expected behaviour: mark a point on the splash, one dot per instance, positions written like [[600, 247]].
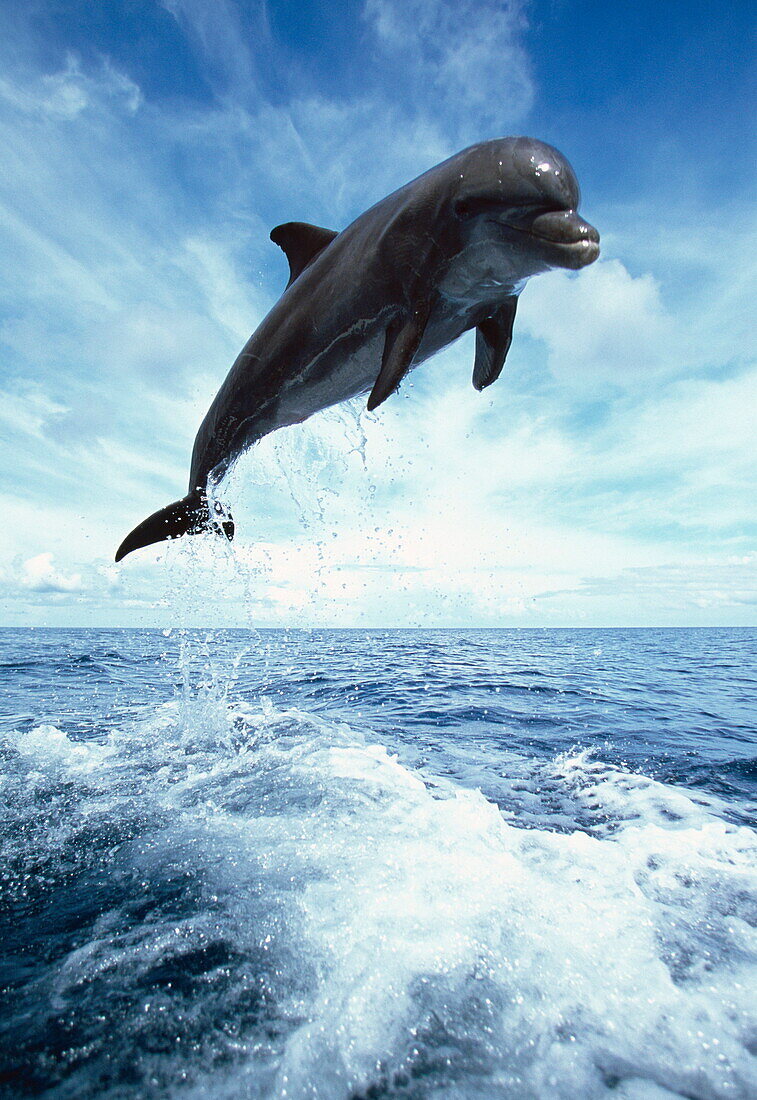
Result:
[[245, 900]]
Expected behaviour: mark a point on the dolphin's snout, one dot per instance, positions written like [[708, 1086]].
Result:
[[563, 227], [567, 228]]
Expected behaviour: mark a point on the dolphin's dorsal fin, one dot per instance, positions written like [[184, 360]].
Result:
[[301, 243], [493, 339]]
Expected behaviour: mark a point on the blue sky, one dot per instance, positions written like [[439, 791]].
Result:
[[149, 148]]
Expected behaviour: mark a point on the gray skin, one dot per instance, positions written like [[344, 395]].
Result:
[[446, 253]]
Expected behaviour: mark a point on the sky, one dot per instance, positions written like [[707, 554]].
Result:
[[607, 479]]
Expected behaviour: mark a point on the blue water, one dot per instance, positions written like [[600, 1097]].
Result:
[[362, 864]]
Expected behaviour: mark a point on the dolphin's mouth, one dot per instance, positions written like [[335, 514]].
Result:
[[564, 229], [581, 252]]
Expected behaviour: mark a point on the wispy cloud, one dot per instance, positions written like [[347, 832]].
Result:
[[65, 94], [463, 63], [228, 42]]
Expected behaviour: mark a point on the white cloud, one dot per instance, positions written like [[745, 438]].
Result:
[[704, 422], [604, 326], [40, 575], [722, 585]]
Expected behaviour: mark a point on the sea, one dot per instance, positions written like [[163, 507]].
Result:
[[363, 864]]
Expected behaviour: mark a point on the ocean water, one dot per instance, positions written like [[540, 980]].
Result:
[[364, 864]]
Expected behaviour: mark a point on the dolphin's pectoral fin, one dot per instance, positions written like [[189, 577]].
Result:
[[493, 339], [402, 342], [301, 243]]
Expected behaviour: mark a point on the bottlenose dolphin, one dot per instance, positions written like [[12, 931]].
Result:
[[448, 252]]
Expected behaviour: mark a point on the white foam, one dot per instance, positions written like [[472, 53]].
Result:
[[50, 746], [548, 944], [420, 938]]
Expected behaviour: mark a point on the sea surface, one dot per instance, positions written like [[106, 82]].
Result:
[[352, 865]]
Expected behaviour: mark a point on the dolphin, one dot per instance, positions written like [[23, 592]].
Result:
[[446, 253]]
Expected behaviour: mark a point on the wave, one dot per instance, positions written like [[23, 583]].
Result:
[[237, 901]]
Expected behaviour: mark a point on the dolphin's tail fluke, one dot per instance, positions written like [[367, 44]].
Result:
[[188, 516]]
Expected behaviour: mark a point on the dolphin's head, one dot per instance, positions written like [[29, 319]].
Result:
[[523, 193]]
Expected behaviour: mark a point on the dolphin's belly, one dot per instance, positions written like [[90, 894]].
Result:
[[253, 403], [331, 378], [250, 406], [347, 372], [351, 368]]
